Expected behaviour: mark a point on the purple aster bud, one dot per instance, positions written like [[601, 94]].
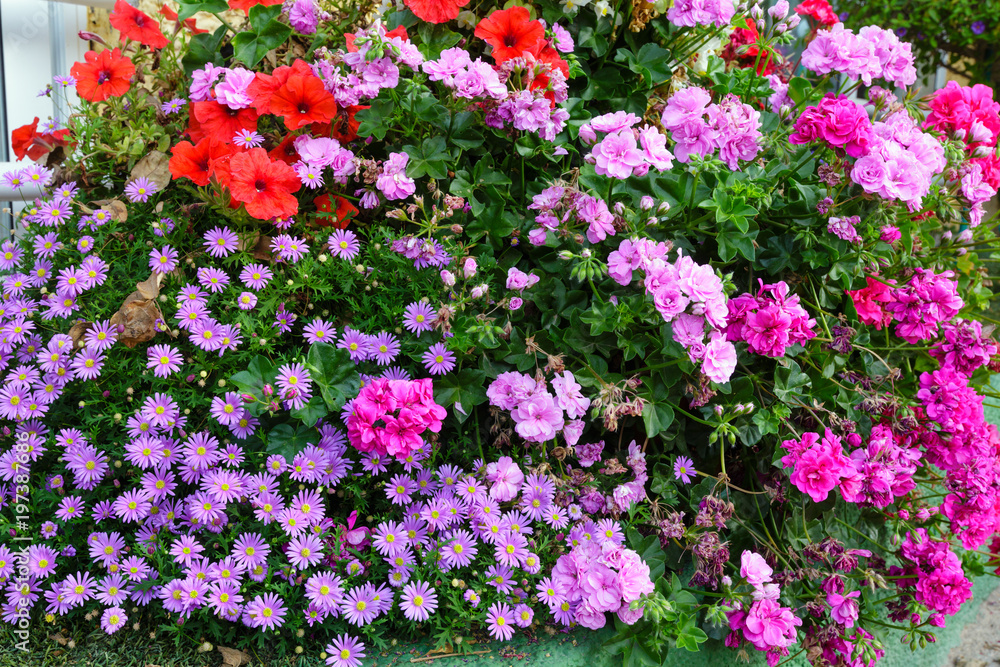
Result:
[[273, 406], [268, 390], [248, 398], [190, 378], [291, 393]]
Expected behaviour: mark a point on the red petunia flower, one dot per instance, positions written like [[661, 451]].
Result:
[[219, 121], [104, 75], [245, 5], [264, 85], [190, 23], [285, 151], [27, 141], [818, 10], [135, 25], [510, 32], [335, 211], [265, 187], [435, 11], [303, 100], [194, 161]]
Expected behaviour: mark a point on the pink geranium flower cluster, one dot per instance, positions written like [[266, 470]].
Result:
[[964, 347], [538, 415], [601, 576], [836, 120], [872, 53], [935, 573], [688, 295], [926, 301], [900, 161], [766, 624], [819, 465], [700, 126], [966, 112], [689, 13], [770, 321], [625, 151], [560, 209], [389, 416]]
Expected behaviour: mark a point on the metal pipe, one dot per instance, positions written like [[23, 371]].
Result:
[[99, 4], [27, 193]]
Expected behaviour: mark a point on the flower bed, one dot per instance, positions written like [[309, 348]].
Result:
[[345, 324]]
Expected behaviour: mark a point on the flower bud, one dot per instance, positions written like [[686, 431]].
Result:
[[478, 291], [248, 398], [469, 267], [447, 277], [268, 390], [565, 255], [91, 37]]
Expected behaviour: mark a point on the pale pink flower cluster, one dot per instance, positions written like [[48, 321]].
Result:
[[872, 53], [688, 295], [600, 576], [467, 78], [766, 624], [625, 151], [390, 416], [700, 126], [538, 415]]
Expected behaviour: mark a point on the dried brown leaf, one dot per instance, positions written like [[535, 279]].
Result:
[[116, 208], [150, 288], [78, 331], [58, 637], [233, 658], [155, 167], [262, 250]]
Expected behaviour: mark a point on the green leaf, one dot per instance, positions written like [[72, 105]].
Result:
[[430, 159], [657, 417], [203, 49], [799, 89], [334, 373], [288, 442], [261, 16], [435, 38], [312, 411], [251, 47], [251, 381], [374, 121], [463, 132], [188, 8], [465, 389], [789, 382]]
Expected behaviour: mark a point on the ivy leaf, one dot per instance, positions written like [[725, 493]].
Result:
[[203, 49], [188, 8], [269, 33], [789, 381], [312, 411], [465, 388], [334, 373], [435, 38], [288, 442], [429, 159], [657, 417], [251, 381], [374, 121]]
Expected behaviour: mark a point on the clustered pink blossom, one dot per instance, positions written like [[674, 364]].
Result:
[[600, 576], [766, 624], [700, 126], [836, 120], [689, 13], [688, 295], [940, 582], [872, 53], [538, 415], [625, 151], [560, 208], [389, 416], [770, 321], [926, 301]]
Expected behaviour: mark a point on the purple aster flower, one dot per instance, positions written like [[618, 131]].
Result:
[[305, 551], [319, 331], [87, 364], [283, 319], [85, 244], [460, 549], [311, 176], [47, 245], [164, 360], [206, 333], [101, 336], [356, 344], [344, 244], [10, 255], [246, 300], [418, 317], [221, 241], [173, 106], [41, 560], [472, 597], [978, 27], [358, 606], [140, 190], [345, 651], [248, 139], [266, 611], [250, 550], [684, 469], [384, 348], [113, 619], [438, 360], [500, 621], [399, 489], [212, 279], [111, 590], [256, 276], [70, 508], [418, 601], [54, 213]]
